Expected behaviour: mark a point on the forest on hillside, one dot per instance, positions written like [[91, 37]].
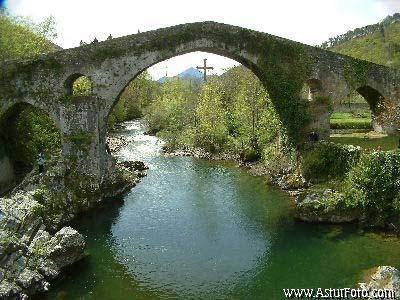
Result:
[[378, 43]]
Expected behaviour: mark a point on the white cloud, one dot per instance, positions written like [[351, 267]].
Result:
[[307, 21]]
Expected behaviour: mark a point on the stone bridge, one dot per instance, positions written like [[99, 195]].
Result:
[[284, 67]]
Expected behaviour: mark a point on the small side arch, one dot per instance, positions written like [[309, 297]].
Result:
[[78, 84], [312, 88], [373, 97]]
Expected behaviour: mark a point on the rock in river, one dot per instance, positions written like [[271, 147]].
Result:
[[384, 278], [29, 255], [325, 206]]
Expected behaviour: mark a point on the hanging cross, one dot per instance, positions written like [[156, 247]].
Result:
[[205, 68]]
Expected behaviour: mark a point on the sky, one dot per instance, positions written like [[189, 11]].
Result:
[[308, 21]]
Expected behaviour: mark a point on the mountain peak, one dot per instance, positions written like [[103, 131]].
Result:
[[190, 73]]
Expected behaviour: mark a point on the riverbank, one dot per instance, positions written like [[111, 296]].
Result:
[[310, 203], [288, 179], [30, 256], [330, 183], [36, 243]]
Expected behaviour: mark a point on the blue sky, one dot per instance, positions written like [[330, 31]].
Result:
[[3, 3], [307, 21]]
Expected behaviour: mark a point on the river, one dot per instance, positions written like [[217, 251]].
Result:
[[198, 229]]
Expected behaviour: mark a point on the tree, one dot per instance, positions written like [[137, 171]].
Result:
[[134, 99], [20, 38], [230, 113], [212, 131]]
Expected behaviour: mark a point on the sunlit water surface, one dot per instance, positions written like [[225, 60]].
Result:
[[195, 229]]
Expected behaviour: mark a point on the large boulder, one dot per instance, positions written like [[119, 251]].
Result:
[[65, 247], [383, 278], [29, 255]]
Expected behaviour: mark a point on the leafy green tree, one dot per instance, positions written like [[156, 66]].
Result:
[[249, 106], [173, 108], [230, 113], [134, 99], [82, 87], [20, 38], [212, 132]]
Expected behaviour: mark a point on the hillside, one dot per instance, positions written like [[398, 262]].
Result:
[[378, 43], [20, 38]]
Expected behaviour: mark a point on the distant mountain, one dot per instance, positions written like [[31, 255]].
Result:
[[163, 79], [378, 43], [189, 74]]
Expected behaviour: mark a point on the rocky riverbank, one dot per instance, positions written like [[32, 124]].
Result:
[[200, 153], [30, 257], [35, 242], [116, 143], [64, 196], [324, 206]]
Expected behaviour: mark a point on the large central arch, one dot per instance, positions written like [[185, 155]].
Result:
[[133, 74], [228, 41]]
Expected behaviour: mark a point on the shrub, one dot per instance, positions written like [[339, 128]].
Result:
[[327, 160], [374, 185], [250, 155], [82, 87]]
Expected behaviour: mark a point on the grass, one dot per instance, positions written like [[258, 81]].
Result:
[[351, 121], [345, 115], [370, 140]]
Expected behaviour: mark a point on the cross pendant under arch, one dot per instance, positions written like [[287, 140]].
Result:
[[205, 68]]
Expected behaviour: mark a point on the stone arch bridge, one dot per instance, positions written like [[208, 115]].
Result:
[[283, 66]]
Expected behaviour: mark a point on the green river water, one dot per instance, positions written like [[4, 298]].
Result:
[[195, 229]]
